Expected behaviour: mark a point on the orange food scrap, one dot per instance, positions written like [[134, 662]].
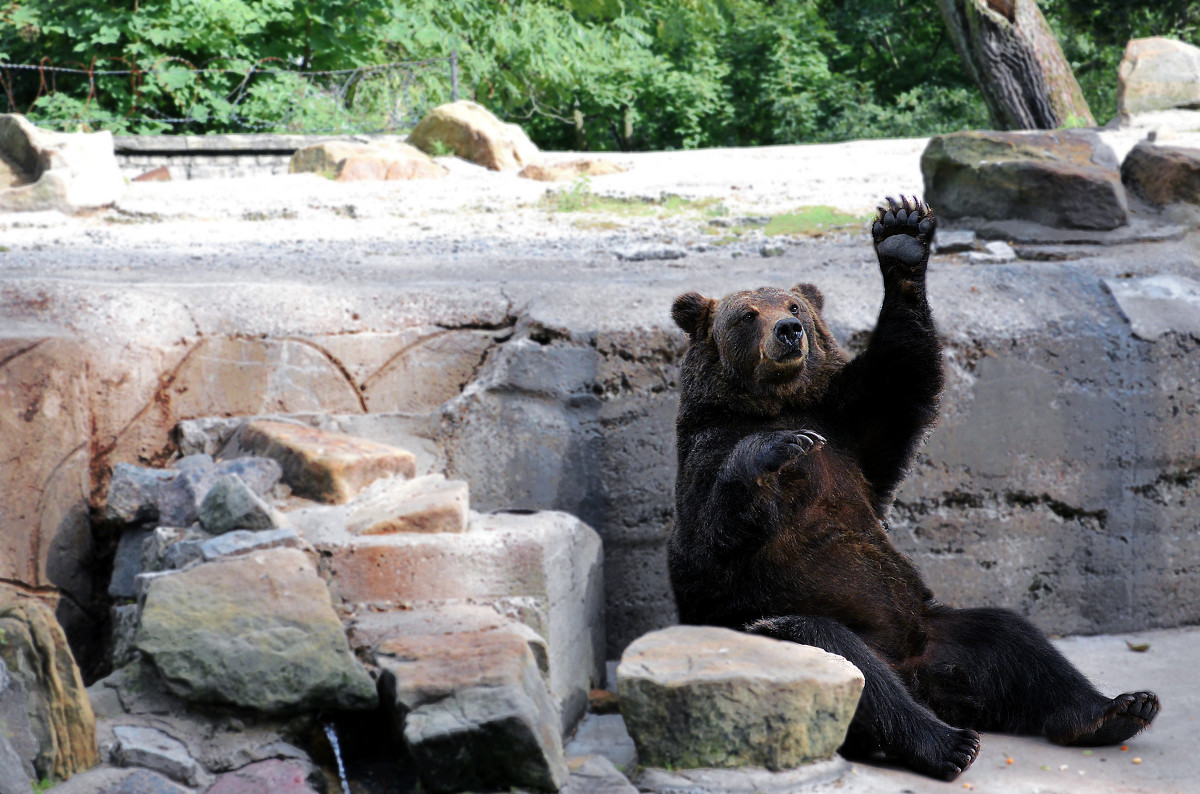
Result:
[[1137, 760], [1124, 748], [1008, 760]]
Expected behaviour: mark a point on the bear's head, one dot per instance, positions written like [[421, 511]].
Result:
[[768, 342]]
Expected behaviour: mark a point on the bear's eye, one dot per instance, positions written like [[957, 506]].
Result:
[[749, 316], [794, 309]]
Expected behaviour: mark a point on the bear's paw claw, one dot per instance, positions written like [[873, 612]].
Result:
[[902, 232]]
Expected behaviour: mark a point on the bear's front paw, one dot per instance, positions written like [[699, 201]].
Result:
[[785, 446], [902, 233]]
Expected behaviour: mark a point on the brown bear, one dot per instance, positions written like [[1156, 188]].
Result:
[[789, 457]]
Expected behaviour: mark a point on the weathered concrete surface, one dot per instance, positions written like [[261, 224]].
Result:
[[1059, 482]]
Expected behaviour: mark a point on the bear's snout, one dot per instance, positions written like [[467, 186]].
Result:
[[790, 333]]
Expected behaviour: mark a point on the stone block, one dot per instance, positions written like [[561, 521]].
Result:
[[243, 541], [18, 744], [67, 171], [153, 749], [604, 735], [124, 619], [179, 499], [474, 711], [1064, 178], [473, 133], [327, 467], [947, 241], [697, 696], [230, 504], [1162, 175], [551, 561], [257, 631], [423, 504], [1157, 305], [371, 629], [1158, 74]]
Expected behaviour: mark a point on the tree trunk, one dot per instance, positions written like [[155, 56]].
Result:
[[1012, 55]]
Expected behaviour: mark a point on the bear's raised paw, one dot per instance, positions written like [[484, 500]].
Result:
[[785, 446], [902, 233]]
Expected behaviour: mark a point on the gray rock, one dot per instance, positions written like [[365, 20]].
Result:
[[171, 548], [18, 732], [133, 493], [206, 435], [66, 171], [996, 252], [124, 629], [650, 253], [1062, 178], [241, 541], [1162, 175], [545, 569], [106, 780], [197, 461], [595, 774], [259, 474], [127, 563], [15, 777], [605, 735], [947, 241], [1158, 74], [474, 711], [155, 750], [696, 696], [1157, 305], [257, 630], [230, 504]]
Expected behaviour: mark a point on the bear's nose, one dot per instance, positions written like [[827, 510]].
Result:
[[789, 331]]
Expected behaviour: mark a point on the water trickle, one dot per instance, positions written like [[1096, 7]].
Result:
[[331, 734]]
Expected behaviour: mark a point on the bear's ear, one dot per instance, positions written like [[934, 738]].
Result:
[[692, 312], [811, 294]]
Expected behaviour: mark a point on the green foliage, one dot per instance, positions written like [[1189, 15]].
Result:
[[578, 74]]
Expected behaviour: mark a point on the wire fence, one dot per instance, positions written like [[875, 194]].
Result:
[[228, 95]]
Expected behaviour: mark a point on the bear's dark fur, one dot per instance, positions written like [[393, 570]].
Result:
[[789, 457]]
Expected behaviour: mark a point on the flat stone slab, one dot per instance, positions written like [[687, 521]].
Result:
[[370, 630], [698, 696], [327, 467], [1157, 305], [274, 776], [423, 504], [107, 780], [474, 711], [257, 631], [153, 749], [595, 774], [1162, 175]]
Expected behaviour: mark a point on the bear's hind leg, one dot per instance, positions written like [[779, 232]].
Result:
[[887, 719], [1020, 682]]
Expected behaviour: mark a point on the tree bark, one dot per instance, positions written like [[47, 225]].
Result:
[[1012, 55]]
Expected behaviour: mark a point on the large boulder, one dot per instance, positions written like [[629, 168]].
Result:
[[1064, 178], [699, 696], [474, 711], [65, 171], [257, 631], [1162, 175], [351, 161], [1158, 74], [46, 686], [472, 132]]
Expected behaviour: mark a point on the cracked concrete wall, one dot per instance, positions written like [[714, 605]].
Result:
[[1062, 479]]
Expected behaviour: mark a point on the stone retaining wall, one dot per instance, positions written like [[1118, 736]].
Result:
[[1061, 480]]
